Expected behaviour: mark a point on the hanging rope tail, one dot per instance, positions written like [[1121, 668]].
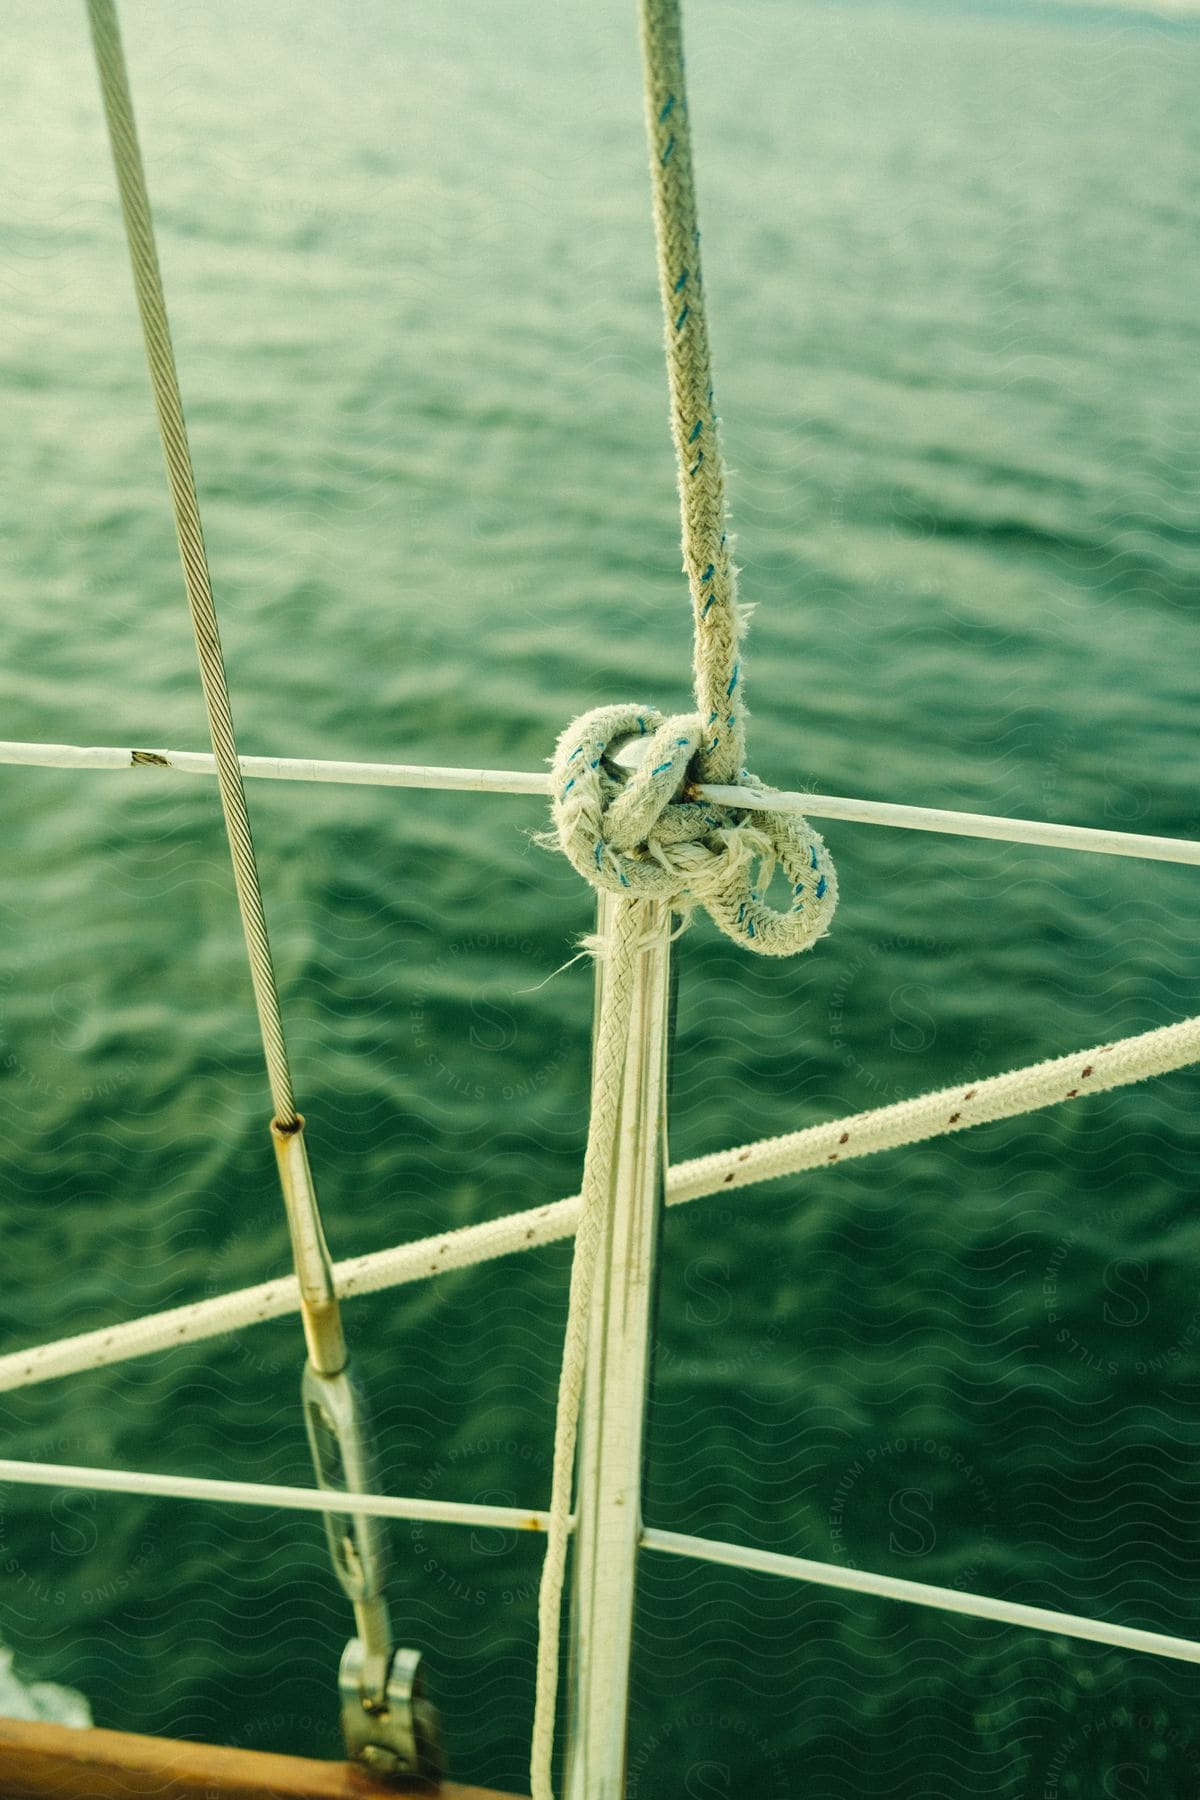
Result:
[[650, 836], [607, 1077]]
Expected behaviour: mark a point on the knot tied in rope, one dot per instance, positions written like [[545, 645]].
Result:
[[657, 839], [648, 834]]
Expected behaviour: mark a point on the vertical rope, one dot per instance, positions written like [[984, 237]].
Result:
[[720, 754], [608, 1070], [706, 559], [147, 281]]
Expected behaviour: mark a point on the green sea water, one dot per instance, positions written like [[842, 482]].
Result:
[[952, 261]]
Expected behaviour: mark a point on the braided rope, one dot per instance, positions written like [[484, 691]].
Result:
[[645, 836], [832, 1143], [147, 280], [651, 838], [711, 575]]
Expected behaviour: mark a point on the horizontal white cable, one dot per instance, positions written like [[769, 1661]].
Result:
[[277, 768], [456, 1512], [817, 1146], [920, 1593], [516, 781], [967, 824], [258, 1493]]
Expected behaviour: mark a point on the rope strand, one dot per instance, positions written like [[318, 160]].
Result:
[[836, 1141], [612, 1036], [685, 849], [711, 575]]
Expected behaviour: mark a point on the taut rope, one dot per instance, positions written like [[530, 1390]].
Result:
[[831, 1143], [650, 838], [711, 575]]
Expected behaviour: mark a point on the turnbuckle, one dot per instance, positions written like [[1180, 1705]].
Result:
[[387, 1722]]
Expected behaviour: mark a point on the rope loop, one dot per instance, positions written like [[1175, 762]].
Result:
[[648, 835]]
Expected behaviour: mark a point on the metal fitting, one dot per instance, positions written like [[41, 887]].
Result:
[[388, 1724], [310, 1253], [401, 1737]]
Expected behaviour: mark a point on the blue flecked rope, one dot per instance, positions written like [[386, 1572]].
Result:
[[645, 837], [650, 837], [711, 575]]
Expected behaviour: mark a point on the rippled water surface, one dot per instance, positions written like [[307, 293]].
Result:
[[952, 261]]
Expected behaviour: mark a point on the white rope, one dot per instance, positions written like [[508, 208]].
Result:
[[652, 835], [841, 1140], [648, 836], [521, 781], [712, 578], [645, 834], [630, 920], [260, 1493], [164, 379], [920, 1593]]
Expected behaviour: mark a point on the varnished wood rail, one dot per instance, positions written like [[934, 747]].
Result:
[[56, 1762]]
